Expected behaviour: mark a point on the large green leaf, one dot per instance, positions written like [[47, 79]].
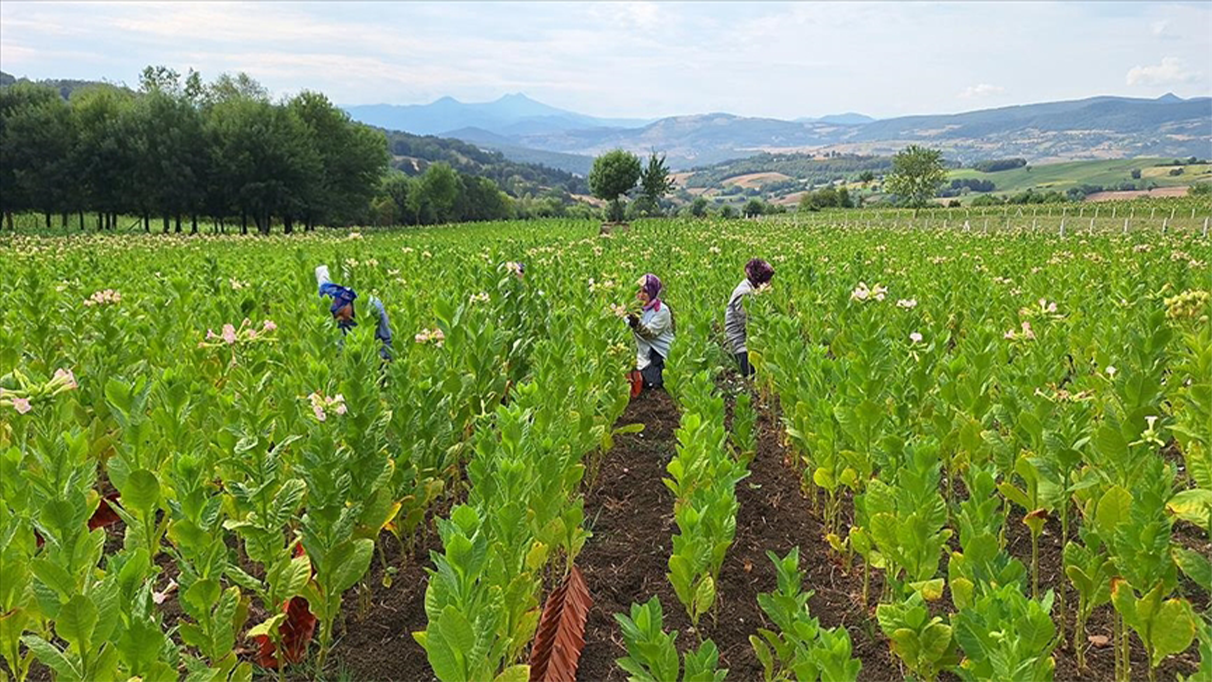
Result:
[[351, 560], [141, 492], [76, 622], [453, 641], [1198, 567], [51, 656], [1114, 508], [1173, 629], [1192, 505]]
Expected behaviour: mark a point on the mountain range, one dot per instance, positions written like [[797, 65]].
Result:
[[514, 114], [1092, 128]]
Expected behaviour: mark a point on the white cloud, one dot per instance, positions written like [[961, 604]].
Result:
[[1171, 71], [1163, 29], [638, 59], [981, 90]]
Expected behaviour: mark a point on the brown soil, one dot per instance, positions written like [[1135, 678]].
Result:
[[627, 558], [376, 642]]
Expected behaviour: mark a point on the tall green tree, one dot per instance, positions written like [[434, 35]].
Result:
[[352, 158], [613, 175], [37, 137], [433, 199], [655, 183], [917, 173], [104, 154]]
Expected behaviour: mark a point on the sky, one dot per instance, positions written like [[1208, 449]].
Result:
[[639, 59]]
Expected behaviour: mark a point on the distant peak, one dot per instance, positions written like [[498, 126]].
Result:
[[1169, 97], [515, 97], [446, 100]]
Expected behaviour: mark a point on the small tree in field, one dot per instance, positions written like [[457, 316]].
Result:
[[655, 183], [917, 173], [614, 174]]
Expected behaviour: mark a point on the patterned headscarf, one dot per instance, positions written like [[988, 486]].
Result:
[[651, 285], [758, 271]]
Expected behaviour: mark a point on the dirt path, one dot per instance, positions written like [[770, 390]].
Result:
[[626, 560], [378, 644]]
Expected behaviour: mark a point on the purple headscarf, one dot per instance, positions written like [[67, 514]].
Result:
[[651, 285], [758, 271]]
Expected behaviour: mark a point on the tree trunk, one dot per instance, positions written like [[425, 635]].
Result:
[[146, 223], [177, 227], [8, 218], [65, 220], [47, 215], [81, 220], [193, 224], [100, 221], [222, 226], [165, 223], [243, 222], [288, 225]]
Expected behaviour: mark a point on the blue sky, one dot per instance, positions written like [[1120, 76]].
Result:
[[640, 59]]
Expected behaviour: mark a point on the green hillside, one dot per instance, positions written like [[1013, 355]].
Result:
[[1109, 174]]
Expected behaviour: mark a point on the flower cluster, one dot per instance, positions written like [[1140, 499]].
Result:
[[907, 303], [1189, 305], [1044, 308], [107, 297], [481, 297], [21, 392], [236, 284], [514, 268], [598, 286], [230, 335], [428, 335], [862, 293], [617, 310], [354, 235], [320, 403], [1026, 334], [1060, 395]]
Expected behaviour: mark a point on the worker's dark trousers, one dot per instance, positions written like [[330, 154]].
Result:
[[654, 373], [742, 360]]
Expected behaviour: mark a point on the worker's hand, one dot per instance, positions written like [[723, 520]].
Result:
[[633, 321]]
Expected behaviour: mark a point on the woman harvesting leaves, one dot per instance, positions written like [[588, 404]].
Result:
[[653, 330], [342, 309], [757, 275]]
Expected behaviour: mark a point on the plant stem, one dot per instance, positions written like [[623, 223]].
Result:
[[1034, 565], [1079, 626], [866, 580]]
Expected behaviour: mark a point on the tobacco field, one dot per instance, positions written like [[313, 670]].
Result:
[[971, 453]]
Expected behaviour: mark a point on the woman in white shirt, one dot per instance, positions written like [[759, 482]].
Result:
[[653, 330]]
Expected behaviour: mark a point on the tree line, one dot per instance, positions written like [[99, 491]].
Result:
[[178, 150]]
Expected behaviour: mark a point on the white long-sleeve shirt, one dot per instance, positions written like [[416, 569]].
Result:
[[735, 318], [654, 332]]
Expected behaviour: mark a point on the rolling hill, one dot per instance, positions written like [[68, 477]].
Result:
[[1086, 129]]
